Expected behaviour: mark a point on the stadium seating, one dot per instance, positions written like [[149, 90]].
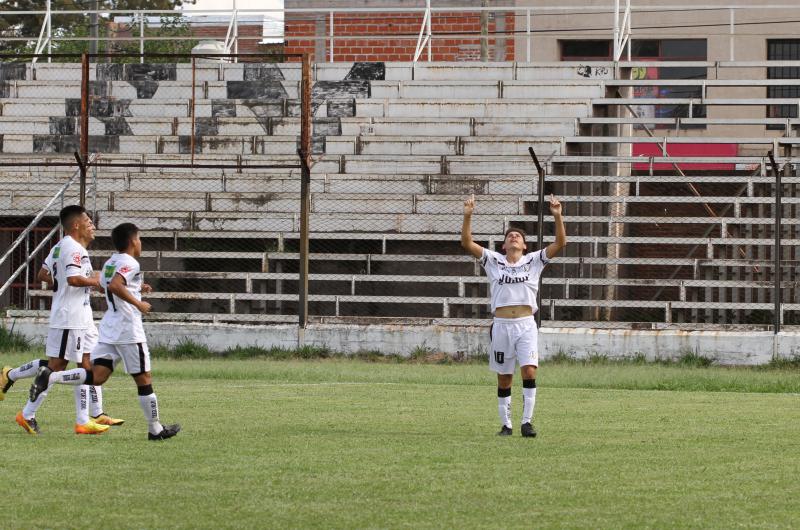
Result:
[[396, 149]]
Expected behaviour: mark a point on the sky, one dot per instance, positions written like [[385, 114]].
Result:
[[269, 28], [228, 4]]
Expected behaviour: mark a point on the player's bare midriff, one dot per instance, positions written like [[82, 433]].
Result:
[[513, 311]]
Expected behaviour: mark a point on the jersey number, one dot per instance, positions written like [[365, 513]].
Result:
[[55, 282], [499, 357]]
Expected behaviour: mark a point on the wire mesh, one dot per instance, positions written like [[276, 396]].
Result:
[[203, 156]]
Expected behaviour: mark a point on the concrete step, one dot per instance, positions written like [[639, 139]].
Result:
[[443, 89], [473, 108], [446, 89], [287, 126]]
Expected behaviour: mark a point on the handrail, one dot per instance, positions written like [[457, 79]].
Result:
[[23, 236], [620, 31]]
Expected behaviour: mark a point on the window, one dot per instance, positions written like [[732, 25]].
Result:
[[783, 50], [583, 50], [663, 51]]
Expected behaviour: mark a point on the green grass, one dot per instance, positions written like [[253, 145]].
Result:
[[353, 444]]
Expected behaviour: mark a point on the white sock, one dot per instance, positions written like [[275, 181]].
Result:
[[82, 404], [95, 400], [76, 376], [149, 406], [528, 402], [504, 410], [32, 406], [25, 371]]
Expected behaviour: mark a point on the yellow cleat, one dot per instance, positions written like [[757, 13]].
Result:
[[30, 426], [90, 427], [105, 419], [5, 382]]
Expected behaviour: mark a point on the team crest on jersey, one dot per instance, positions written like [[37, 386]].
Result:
[[76, 258], [108, 271], [125, 270]]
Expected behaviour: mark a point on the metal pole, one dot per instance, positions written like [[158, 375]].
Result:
[[330, 32], [49, 31], [305, 184], [528, 34], [732, 33], [484, 32], [235, 32], [776, 253], [27, 270], [84, 140], [141, 37], [430, 35], [192, 109], [93, 27], [539, 229], [616, 30]]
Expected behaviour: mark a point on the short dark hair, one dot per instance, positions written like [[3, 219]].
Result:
[[68, 214], [520, 231], [122, 235]]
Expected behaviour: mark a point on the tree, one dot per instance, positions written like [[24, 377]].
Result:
[[67, 25]]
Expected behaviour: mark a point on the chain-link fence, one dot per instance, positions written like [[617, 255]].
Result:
[[203, 156]]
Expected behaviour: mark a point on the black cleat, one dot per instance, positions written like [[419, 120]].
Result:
[[167, 432], [40, 382], [528, 431], [505, 431]]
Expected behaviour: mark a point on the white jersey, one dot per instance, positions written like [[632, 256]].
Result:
[[515, 284], [70, 307], [122, 322]]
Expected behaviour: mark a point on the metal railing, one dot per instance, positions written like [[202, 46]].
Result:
[[24, 236], [620, 29]]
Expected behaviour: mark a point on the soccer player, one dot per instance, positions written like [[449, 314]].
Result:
[[121, 333], [90, 395], [70, 271], [513, 285]]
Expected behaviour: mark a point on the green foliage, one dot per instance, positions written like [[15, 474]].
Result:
[[287, 443], [12, 341], [784, 363], [693, 359], [76, 26]]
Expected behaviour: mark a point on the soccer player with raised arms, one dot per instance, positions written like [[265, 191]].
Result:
[[513, 285], [121, 333]]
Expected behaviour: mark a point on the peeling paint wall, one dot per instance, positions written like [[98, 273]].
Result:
[[724, 347]]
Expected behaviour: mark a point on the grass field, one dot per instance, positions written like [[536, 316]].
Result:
[[353, 444]]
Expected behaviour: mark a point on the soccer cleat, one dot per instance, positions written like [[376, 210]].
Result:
[[90, 427], [105, 419], [5, 382], [505, 431], [167, 432], [528, 431], [40, 382], [30, 426]]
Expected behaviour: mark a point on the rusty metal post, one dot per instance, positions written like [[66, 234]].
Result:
[[194, 88], [776, 252], [539, 230], [84, 140], [305, 196]]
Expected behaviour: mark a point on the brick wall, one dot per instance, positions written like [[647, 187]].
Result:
[[404, 31]]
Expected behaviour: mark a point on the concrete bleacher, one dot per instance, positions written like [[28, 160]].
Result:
[[396, 150]]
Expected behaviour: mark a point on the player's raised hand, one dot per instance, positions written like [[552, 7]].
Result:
[[469, 204], [555, 206]]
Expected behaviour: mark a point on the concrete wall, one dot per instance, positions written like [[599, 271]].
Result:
[[730, 348]]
